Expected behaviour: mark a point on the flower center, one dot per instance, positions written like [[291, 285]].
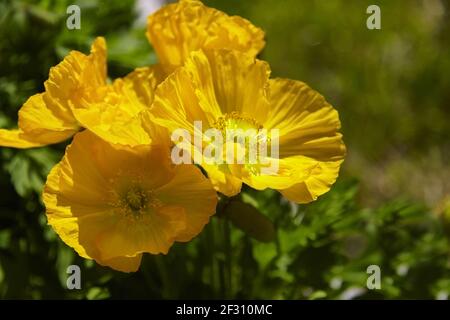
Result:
[[246, 132], [234, 120], [135, 202], [136, 199], [131, 198]]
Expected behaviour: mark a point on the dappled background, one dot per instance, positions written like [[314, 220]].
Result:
[[392, 90]]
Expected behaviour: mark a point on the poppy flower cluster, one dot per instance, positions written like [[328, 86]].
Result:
[[117, 194]]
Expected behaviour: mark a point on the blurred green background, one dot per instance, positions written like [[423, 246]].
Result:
[[389, 206]]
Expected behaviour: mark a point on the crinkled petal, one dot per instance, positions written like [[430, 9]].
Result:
[[319, 182], [155, 233], [16, 138], [78, 77], [115, 117], [308, 125], [124, 264], [276, 173], [223, 180], [230, 81], [191, 190], [178, 29], [47, 118]]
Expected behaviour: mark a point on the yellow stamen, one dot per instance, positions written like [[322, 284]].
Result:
[[136, 199], [234, 120]]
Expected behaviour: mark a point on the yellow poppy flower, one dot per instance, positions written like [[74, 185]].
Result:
[[47, 117], [77, 96], [114, 203], [180, 28], [228, 90]]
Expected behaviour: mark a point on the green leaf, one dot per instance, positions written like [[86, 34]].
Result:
[[250, 220], [97, 293], [320, 294], [28, 169]]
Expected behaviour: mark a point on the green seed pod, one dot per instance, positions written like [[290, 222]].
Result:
[[250, 220]]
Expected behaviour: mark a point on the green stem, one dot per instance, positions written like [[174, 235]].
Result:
[[228, 257], [224, 259], [210, 254], [167, 287], [219, 258]]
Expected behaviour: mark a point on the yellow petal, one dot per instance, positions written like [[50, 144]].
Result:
[[35, 118], [308, 124], [92, 162], [74, 203], [159, 135], [285, 173], [230, 81], [191, 190], [124, 264], [155, 234], [17, 139], [38, 126], [176, 105], [81, 233], [223, 180], [47, 117], [319, 182], [210, 85], [115, 117], [76, 78], [139, 85], [309, 127], [178, 29]]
